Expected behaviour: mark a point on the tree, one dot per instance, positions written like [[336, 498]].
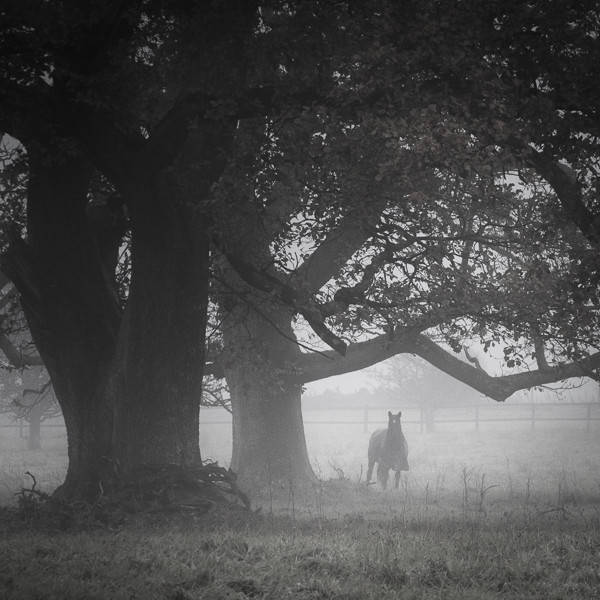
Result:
[[359, 196], [127, 116], [443, 247], [461, 281], [75, 95]]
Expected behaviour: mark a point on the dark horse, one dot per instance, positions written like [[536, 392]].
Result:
[[388, 448]]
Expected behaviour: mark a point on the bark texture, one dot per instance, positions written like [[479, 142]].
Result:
[[269, 447], [128, 383], [157, 376], [72, 315]]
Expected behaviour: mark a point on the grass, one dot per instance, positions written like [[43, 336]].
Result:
[[485, 515], [547, 555]]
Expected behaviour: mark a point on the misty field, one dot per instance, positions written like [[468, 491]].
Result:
[[504, 512]]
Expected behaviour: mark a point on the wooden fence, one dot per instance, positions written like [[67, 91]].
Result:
[[424, 419], [427, 419]]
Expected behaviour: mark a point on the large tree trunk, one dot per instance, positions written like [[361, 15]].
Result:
[[158, 374], [72, 313], [269, 447], [128, 384], [91, 471]]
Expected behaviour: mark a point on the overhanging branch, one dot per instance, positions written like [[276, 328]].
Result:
[[312, 367], [365, 354], [501, 387]]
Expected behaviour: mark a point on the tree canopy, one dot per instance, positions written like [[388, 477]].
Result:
[[398, 177]]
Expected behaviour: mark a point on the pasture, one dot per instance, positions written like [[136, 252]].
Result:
[[502, 512]]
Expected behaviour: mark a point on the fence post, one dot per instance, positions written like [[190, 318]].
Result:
[[532, 416], [366, 419], [588, 418]]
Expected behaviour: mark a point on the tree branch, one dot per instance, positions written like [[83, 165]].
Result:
[[346, 296], [540, 353], [15, 357], [167, 138], [214, 368], [312, 367], [112, 149], [335, 250], [568, 190], [307, 308], [365, 354], [501, 387], [24, 110], [473, 359]]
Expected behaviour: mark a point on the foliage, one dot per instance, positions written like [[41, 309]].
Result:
[[13, 163], [422, 115], [397, 174]]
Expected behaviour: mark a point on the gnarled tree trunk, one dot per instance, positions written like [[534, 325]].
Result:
[[157, 377], [128, 384], [72, 314], [269, 447]]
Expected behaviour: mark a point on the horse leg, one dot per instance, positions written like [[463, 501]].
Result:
[[397, 482], [382, 475], [370, 470]]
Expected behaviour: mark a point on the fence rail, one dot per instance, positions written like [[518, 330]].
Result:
[[531, 413], [426, 418]]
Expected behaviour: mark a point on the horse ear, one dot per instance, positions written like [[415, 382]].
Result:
[[399, 413], [390, 415]]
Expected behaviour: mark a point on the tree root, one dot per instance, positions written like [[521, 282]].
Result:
[[152, 491], [196, 488]]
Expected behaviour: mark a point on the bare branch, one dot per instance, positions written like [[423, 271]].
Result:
[[15, 357], [540, 352], [473, 359], [337, 248], [346, 296], [307, 308]]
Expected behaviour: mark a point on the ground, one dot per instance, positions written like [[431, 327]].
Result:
[[411, 552], [504, 513]]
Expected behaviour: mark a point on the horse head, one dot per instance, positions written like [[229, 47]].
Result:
[[394, 424]]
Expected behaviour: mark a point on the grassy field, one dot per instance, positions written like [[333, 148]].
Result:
[[406, 555], [491, 514]]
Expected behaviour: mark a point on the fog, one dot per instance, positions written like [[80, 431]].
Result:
[[539, 442]]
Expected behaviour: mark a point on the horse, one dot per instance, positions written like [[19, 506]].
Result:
[[388, 448]]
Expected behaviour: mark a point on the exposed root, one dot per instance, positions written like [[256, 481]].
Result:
[[152, 491], [197, 488]]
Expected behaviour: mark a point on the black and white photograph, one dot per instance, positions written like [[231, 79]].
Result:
[[299, 300]]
